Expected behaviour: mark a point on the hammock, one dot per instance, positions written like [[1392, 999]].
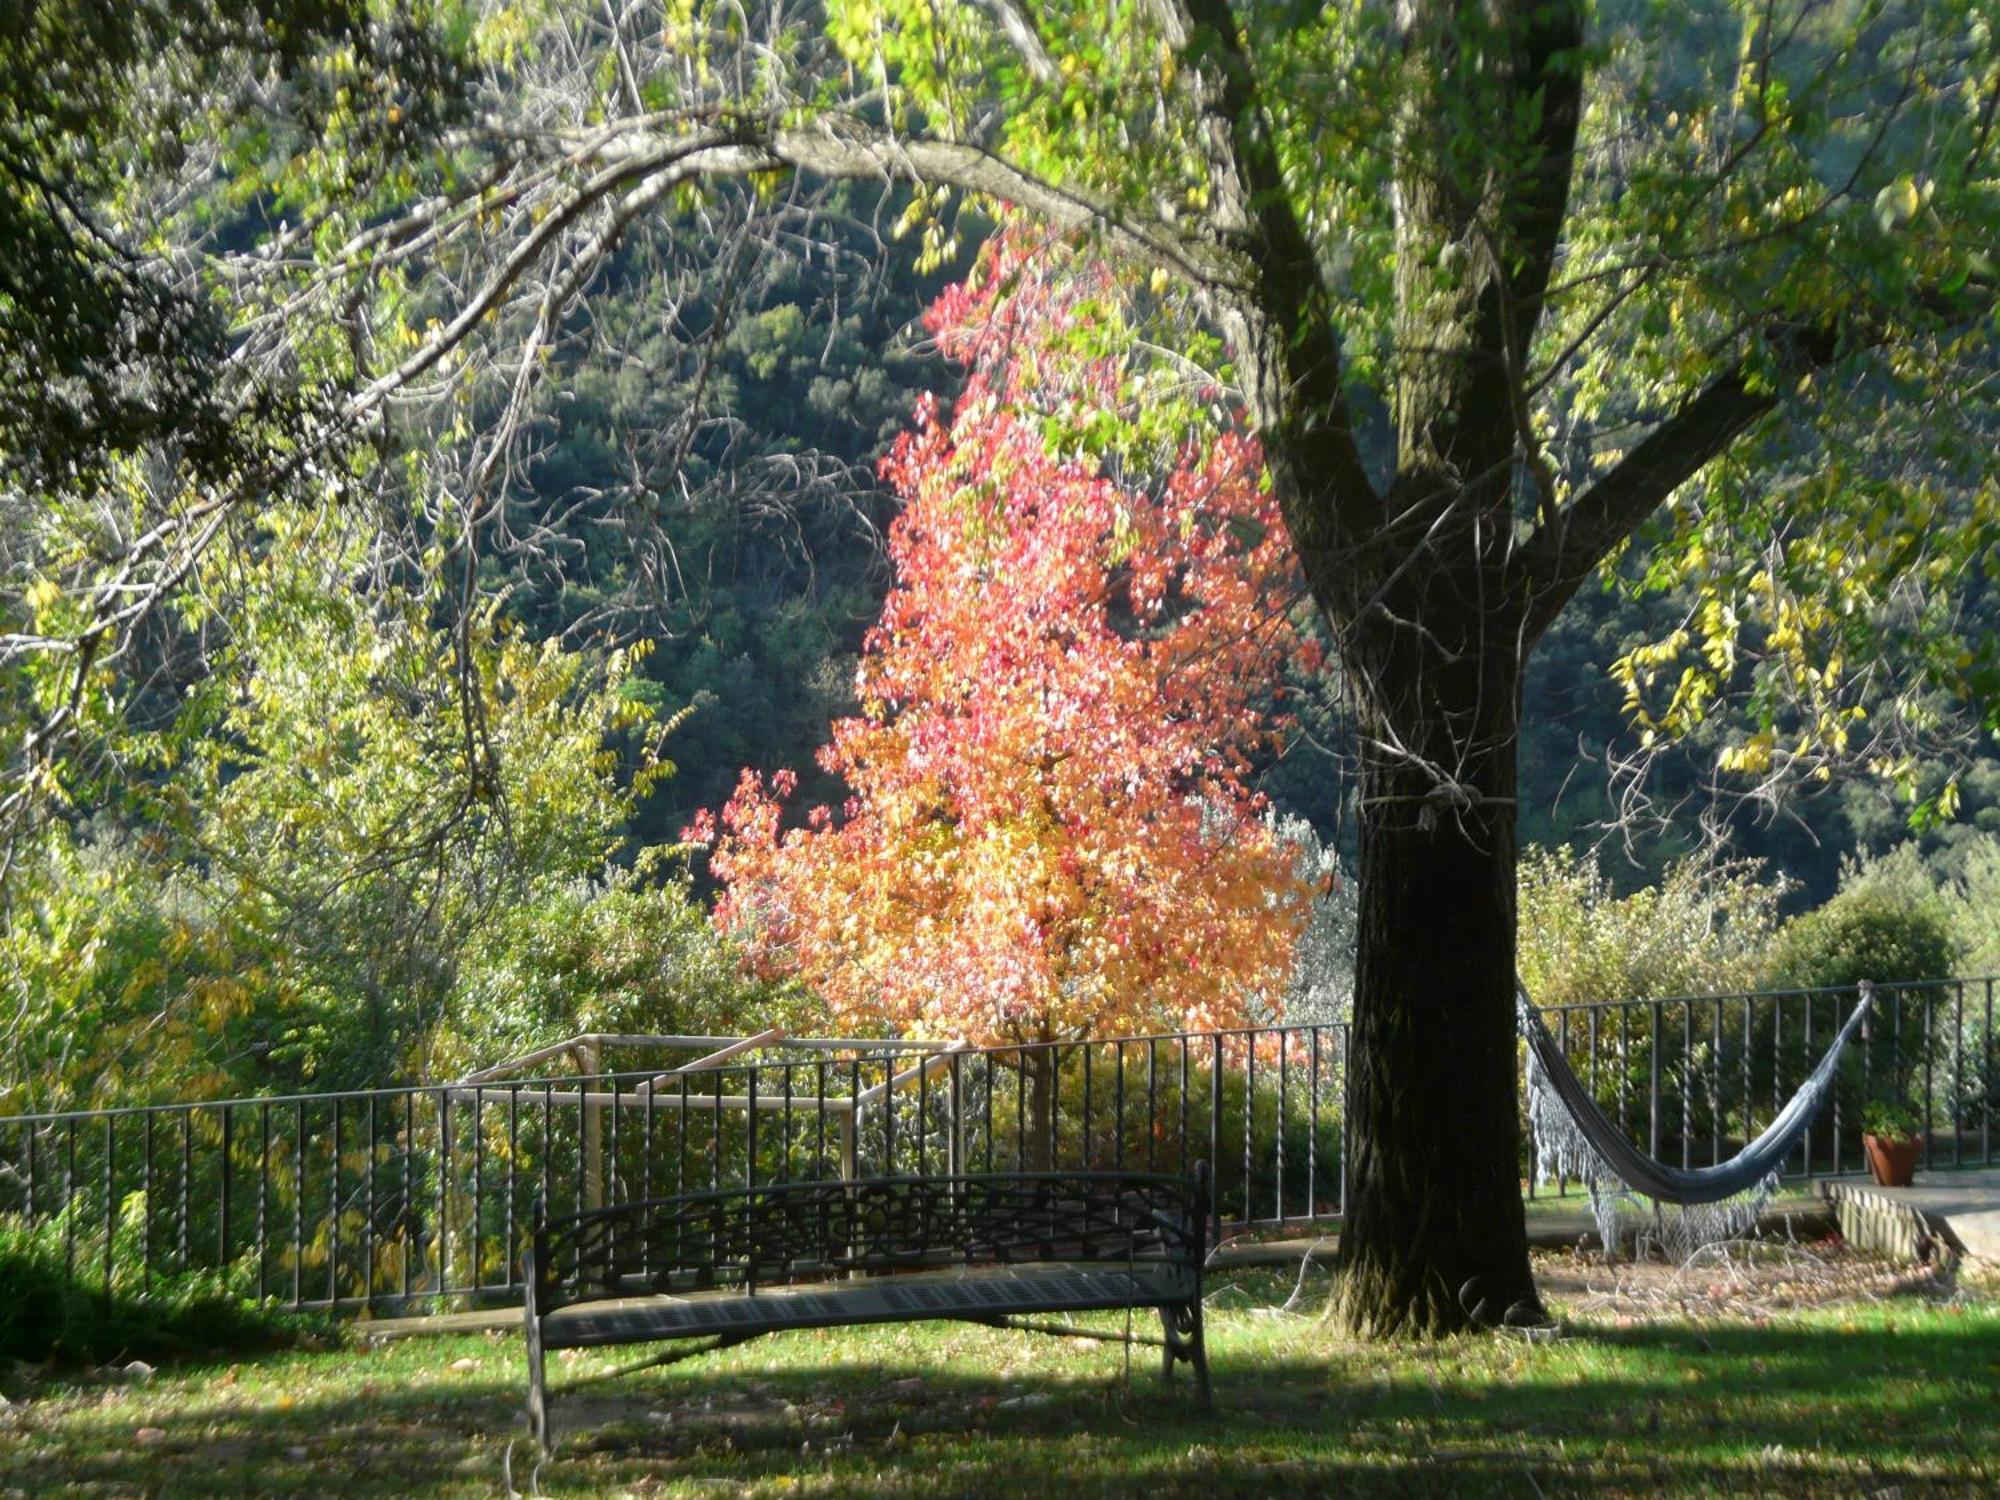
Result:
[[1574, 1137]]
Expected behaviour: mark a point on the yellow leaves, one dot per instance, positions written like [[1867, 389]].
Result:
[[1947, 799], [1901, 201], [1719, 625], [1638, 670], [1751, 758]]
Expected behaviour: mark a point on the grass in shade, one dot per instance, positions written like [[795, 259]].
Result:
[[1873, 1395]]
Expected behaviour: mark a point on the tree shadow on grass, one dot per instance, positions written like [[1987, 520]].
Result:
[[1793, 1409]]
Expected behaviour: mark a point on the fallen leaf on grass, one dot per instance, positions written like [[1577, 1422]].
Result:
[[149, 1434]]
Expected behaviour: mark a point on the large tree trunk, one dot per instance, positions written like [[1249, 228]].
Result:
[[1435, 1239], [1435, 1226]]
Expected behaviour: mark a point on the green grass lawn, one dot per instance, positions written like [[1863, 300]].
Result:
[[1792, 1197], [1892, 1396]]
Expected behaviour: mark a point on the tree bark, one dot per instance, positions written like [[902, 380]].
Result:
[[1038, 1069], [1435, 1239]]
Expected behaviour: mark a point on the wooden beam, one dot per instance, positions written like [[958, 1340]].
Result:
[[715, 1059], [693, 1104], [727, 1045], [527, 1059], [936, 1062], [588, 1061]]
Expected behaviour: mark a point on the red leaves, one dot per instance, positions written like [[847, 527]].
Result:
[[1049, 831]]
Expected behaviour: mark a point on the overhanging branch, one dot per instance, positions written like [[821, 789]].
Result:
[[842, 146], [1567, 548]]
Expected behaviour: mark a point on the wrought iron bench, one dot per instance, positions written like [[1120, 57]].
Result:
[[733, 1265]]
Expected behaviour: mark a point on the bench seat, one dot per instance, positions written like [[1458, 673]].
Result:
[[977, 1293]]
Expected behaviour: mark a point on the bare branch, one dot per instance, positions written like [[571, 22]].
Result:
[[1019, 29]]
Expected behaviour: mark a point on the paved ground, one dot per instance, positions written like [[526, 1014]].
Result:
[[1961, 1207], [1562, 1224]]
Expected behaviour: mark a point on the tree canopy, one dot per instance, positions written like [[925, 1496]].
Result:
[[1049, 833]]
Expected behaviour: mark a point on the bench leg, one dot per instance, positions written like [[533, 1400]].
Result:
[[538, 1388], [1181, 1324], [1198, 1347]]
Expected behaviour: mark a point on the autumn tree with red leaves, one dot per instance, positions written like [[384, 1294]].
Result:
[[1051, 832]]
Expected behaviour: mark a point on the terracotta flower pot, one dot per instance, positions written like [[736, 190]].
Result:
[[1892, 1161]]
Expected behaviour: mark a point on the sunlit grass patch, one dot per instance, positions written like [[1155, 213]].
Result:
[[1848, 1399]]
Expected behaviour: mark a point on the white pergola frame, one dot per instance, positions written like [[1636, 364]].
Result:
[[586, 1051]]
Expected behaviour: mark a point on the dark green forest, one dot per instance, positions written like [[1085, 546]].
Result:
[[772, 598], [778, 571]]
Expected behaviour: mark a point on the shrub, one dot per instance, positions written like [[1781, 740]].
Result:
[[629, 951], [1973, 905], [49, 1314], [1704, 929], [1887, 922], [1891, 1121]]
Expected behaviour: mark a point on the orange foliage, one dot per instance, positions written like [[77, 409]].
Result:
[[1050, 832]]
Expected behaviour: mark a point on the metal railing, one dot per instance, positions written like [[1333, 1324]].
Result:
[[407, 1199]]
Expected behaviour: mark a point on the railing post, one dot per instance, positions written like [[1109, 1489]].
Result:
[[1930, 1069], [591, 1125], [749, 1128], [1958, 1073], [850, 1153], [1312, 1132], [1986, 1077], [1806, 1142], [222, 1216], [111, 1197], [1653, 1088], [1249, 1123], [954, 1140], [1215, 1123], [263, 1198]]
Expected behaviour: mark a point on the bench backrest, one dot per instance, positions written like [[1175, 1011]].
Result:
[[804, 1231]]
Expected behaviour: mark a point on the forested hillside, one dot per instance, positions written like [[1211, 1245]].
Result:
[[717, 479], [776, 570]]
